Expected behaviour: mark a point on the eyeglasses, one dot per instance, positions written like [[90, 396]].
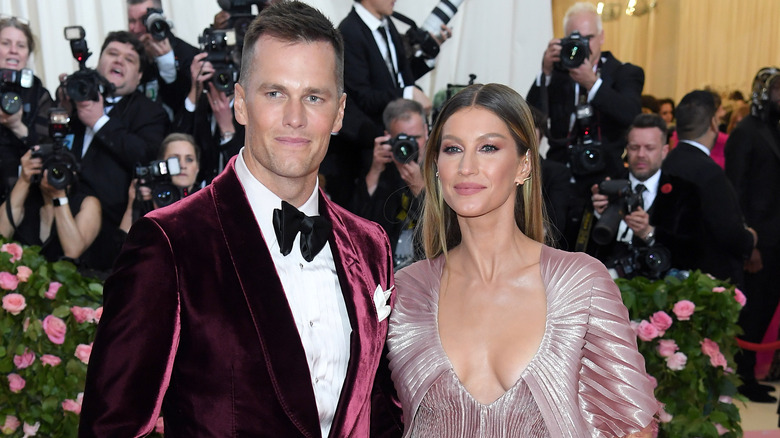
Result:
[[13, 20]]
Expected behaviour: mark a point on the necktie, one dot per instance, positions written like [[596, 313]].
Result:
[[639, 190], [389, 58], [289, 221]]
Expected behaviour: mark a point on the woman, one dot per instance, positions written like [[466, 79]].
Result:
[[63, 223], [496, 334], [175, 145], [29, 125]]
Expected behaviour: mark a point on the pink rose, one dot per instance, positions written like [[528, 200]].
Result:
[[718, 360], [8, 281], [725, 399], [83, 351], [11, 424], [98, 313], [709, 347], [647, 332], [25, 360], [740, 297], [159, 427], [71, 406], [54, 286], [677, 361], [664, 416], [721, 430], [55, 329], [661, 320], [718, 289], [23, 273], [683, 309], [15, 382], [31, 429], [14, 303], [653, 381], [51, 360], [13, 249], [83, 314], [667, 347]]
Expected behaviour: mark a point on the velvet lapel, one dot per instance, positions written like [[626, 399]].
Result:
[[365, 347], [276, 331]]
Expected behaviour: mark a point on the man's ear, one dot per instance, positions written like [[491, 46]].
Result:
[[239, 105]]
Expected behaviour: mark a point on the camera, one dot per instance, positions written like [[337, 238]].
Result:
[[575, 49], [156, 24], [585, 155], [11, 84], [60, 164], [651, 262], [221, 48], [86, 83], [157, 176], [404, 148], [441, 14], [420, 40], [622, 201], [241, 15]]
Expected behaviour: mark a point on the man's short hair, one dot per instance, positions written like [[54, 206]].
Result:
[[650, 121], [401, 109], [125, 37], [157, 3], [694, 114], [579, 8], [294, 22]]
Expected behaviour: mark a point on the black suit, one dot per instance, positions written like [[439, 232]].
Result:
[[131, 137], [753, 166], [724, 243], [615, 104], [676, 216], [172, 94]]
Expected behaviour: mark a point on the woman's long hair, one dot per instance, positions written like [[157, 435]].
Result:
[[439, 225]]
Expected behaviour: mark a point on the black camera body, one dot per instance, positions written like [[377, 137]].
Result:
[[86, 83], [622, 201], [156, 24], [404, 148], [575, 49], [585, 154], [241, 15], [11, 84], [221, 48], [650, 261], [59, 163], [157, 176]]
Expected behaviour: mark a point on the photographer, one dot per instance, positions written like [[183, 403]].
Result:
[[658, 210], [168, 79], [610, 88], [28, 124], [391, 192], [63, 222], [183, 148]]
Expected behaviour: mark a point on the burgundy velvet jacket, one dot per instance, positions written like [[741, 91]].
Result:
[[196, 325]]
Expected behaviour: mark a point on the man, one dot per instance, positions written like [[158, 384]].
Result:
[[390, 194], [668, 216], [753, 166], [725, 242], [113, 135], [219, 314], [612, 89], [168, 79]]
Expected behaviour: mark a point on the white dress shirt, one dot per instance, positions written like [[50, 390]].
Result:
[[314, 294], [625, 234]]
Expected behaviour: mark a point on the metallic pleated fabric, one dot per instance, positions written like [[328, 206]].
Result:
[[586, 380]]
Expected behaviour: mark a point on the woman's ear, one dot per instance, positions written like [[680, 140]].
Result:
[[523, 169]]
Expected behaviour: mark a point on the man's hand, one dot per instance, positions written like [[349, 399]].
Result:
[[754, 263], [383, 154], [444, 35], [639, 222], [89, 111], [420, 97], [600, 201], [155, 48], [551, 55], [200, 70], [584, 75], [412, 175], [220, 108], [62, 96]]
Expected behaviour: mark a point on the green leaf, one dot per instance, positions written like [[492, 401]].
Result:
[[61, 311]]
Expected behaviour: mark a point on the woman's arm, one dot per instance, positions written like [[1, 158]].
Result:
[[30, 166], [77, 233]]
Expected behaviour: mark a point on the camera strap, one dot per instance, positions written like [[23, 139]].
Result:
[[581, 245]]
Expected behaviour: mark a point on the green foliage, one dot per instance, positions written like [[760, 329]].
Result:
[[698, 396]]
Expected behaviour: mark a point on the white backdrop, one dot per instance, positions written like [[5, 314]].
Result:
[[498, 40]]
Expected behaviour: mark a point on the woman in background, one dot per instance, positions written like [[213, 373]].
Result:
[[496, 334]]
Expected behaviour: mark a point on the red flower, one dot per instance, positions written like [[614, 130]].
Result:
[[666, 188]]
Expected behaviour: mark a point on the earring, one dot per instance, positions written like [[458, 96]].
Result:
[[437, 174]]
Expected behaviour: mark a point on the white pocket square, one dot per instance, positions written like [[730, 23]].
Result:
[[381, 297]]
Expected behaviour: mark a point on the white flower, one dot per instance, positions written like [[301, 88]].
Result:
[[381, 297], [31, 430]]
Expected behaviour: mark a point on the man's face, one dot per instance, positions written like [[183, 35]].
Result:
[[379, 8], [586, 24], [135, 13], [666, 112], [645, 152], [413, 126], [289, 104], [121, 65]]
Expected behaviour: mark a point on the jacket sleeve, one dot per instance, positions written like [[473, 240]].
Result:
[[620, 98]]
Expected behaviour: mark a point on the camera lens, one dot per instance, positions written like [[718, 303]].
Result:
[[10, 102], [165, 194], [59, 175]]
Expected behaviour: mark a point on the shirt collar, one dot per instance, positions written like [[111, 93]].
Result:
[[651, 184], [703, 148], [368, 18]]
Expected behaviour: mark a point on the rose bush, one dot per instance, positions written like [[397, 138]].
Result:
[[686, 330]]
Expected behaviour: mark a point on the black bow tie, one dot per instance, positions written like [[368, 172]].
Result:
[[314, 230]]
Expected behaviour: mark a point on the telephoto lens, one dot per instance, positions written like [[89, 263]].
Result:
[[441, 14]]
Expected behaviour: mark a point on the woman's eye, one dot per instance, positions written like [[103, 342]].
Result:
[[450, 149], [489, 148]]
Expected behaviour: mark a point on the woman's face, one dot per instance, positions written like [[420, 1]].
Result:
[[14, 49], [185, 152], [479, 164]]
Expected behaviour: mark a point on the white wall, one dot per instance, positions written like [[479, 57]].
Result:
[[498, 40]]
